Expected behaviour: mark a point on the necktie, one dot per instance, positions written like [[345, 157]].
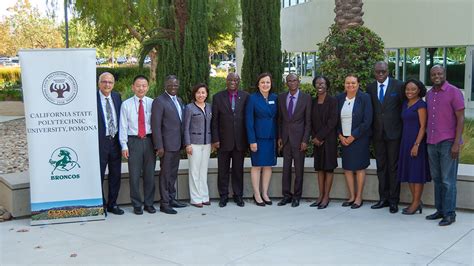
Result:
[[381, 93], [290, 107], [141, 121], [178, 107], [110, 118], [232, 102]]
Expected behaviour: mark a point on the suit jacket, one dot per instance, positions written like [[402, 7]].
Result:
[[297, 129], [387, 122], [361, 114], [228, 127], [261, 117], [166, 127], [197, 124], [324, 119], [102, 120]]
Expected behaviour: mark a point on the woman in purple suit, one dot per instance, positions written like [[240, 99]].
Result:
[[413, 160]]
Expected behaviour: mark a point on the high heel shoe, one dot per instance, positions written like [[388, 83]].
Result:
[[267, 202], [315, 204], [323, 205], [418, 209], [261, 204], [357, 206], [347, 203]]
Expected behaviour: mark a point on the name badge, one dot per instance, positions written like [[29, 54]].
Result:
[[271, 102]]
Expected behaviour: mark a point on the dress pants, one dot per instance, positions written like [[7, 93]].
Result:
[[290, 155], [169, 164], [386, 154], [223, 164], [141, 160], [198, 163], [110, 156]]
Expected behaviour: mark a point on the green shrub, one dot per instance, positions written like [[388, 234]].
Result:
[[467, 149], [355, 51]]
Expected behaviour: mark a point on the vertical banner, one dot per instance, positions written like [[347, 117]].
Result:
[[59, 92]]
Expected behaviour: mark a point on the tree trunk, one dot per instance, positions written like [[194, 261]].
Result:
[[153, 65], [348, 13]]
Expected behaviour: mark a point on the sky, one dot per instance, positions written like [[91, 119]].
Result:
[[40, 4]]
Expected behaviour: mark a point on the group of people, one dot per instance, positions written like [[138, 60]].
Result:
[[415, 141]]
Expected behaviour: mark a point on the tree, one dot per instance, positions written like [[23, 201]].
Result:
[[223, 25], [261, 41], [6, 39], [349, 48], [116, 21], [185, 54], [27, 28], [348, 13]]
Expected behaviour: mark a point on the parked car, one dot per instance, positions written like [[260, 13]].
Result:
[[212, 72], [147, 60], [436, 60], [100, 61], [121, 60], [225, 65], [132, 60]]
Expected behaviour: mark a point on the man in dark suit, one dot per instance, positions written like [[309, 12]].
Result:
[[229, 138], [108, 112], [167, 129], [387, 100], [294, 126]]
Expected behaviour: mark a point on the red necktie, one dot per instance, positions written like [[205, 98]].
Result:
[[141, 121]]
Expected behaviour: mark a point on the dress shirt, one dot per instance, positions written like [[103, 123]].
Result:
[[129, 118], [385, 86], [295, 100], [175, 101], [442, 107], [346, 117], [103, 102]]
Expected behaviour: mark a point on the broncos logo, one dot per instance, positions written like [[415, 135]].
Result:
[[63, 162]]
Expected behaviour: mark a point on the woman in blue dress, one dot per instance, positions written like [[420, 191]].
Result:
[[413, 161], [261, 123]]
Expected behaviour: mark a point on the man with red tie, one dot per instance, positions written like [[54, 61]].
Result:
[[137, 147]]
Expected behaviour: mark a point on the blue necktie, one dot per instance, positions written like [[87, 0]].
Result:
[[381, 93]]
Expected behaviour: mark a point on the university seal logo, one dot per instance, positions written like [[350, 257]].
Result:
[[59, 88], [63, 159]]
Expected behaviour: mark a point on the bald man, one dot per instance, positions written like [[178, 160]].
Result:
[[110, 152]]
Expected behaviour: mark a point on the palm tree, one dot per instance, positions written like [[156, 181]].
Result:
[[348, 13]]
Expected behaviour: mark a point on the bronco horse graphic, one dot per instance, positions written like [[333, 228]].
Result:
[[63, 162]]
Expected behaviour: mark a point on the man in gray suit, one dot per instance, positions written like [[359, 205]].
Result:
[[167, 128], [387, 100], [294, 126]]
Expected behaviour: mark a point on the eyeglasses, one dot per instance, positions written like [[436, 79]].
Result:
[[106, 82]]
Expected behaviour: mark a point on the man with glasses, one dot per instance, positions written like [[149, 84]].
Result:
[[387, 99], [108, 112]]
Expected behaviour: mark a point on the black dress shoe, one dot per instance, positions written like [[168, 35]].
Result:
[[115, 210], [223, 202], [239, 201], [357, 206], [447, 220], [434, 216], [138, 210], [347, 203], [315, 204], [393, 208], [295, 203], [168, 210], [284, 201], [380, 204], [261, 204], [176, 204], [150, 209]]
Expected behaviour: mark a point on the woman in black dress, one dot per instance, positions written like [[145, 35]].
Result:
[[324, 115]]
